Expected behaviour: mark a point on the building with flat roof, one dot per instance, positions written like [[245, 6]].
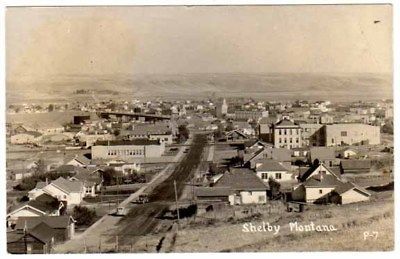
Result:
[[120, 149], [351, 134]]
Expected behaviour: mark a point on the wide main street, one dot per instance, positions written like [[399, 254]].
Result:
[[142, 218]]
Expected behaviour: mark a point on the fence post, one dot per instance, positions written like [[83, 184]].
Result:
[[116, 244]]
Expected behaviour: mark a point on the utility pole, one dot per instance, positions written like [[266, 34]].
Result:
[[176, 201]]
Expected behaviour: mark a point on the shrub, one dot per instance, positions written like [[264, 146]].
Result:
[[84, 216]]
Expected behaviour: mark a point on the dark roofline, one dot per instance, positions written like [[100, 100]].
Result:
[[137, 142]]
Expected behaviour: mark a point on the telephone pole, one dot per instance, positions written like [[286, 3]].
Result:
[[176, 201]]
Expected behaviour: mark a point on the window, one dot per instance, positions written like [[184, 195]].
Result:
[[280, 140], [343, 133], [290, 132], [280, 132], [297, 140], [264, 176], [320, 191], [285, 140], [285, 132], [278, 175], [291, 140], [333, 140]]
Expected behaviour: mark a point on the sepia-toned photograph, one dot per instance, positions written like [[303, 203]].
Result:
[[205, 128]]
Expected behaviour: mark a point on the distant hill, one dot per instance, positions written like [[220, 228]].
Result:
[[265, 86]]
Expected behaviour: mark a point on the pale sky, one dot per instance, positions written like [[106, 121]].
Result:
[[174, 40]]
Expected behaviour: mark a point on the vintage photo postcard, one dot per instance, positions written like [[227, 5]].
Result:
[[226, 128]]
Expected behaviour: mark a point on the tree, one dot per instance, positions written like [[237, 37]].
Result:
[[50, 108], [84, 216], [183, 132], [274, 187]]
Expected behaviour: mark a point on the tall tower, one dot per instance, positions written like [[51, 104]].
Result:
[[222, 109]]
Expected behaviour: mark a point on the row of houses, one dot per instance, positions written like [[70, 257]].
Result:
[[317, 185]]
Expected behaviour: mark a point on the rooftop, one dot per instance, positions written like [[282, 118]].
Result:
[[51, 221], [135, 142], [241, 179], [270, 165]]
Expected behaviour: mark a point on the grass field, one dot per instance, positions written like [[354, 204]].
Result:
[[351, 222]]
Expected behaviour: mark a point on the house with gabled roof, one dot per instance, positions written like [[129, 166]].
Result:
[[71, 192], [235, 135], [43, 205], [322, 185], [320, 169], [247, 187], [214, 194], [92, 181], [63, 226], [271, 169], [38, 240], [324, 155], [78, 161], [350, 193]]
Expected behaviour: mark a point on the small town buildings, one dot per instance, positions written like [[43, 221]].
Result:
[[351, 134], [21, 174], [270, 169], [311, 134], [214, 195], [265, 129], [90, 139], [235, 135], [321, 185], [348, 153], [320, 169], [35, 192], [351, 193], [28, 137], [160, 132], [286, 134], [353, 166], [71, 192], [63, 227], [78, 161], [43, 205], [92, 181], [250, 115], [37, 240], [137, 148], [325, 155], [244, 127], [247, 187]]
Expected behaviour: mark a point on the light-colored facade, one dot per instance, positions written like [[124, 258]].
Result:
[[250, 115], [128, 149], [222, 109], [287, 134], [354, 195], [314, 193], [350, 134], [72, 198], [248, 197]]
